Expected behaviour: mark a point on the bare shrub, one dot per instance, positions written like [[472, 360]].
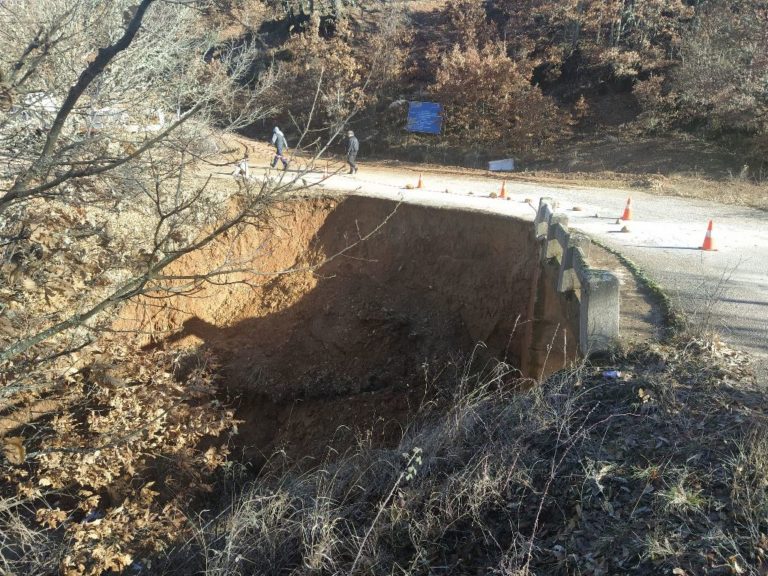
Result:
[[24, 547], [467, 25], [489, 101], [115, 106], [724, 70], [327, 78], [606, 40], [116, 464], [659, 104]]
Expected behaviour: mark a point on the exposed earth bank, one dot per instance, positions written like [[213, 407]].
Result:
[[361, 307]]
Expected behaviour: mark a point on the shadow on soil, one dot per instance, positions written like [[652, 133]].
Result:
[[382, 324]]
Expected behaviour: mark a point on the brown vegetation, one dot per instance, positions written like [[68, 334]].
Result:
[[110, 452], [523, 78], [112, 111]]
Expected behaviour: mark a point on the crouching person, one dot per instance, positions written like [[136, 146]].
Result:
[[242, 169]]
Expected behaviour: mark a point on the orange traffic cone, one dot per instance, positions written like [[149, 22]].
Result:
[[421, 183], [627, 210], [503, 192], [709, 242]]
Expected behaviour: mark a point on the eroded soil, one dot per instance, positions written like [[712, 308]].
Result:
[[382, 301]]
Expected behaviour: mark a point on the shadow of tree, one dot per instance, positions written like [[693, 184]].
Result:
[[384, 324]]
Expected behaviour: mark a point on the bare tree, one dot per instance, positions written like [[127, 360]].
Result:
[[114, 108], [114, 119], [723, 76], [113, 114]]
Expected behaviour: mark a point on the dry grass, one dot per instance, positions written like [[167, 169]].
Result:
[[24, 547], [664, 469]]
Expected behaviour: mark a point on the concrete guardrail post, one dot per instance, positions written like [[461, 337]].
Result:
[[541, 223], [568, 279], [557, 237], [599, 312]]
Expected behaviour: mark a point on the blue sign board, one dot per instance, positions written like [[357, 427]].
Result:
[[424, 117]]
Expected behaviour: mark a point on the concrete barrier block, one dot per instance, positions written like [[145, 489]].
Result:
[[568, 279], [599, 312], [597, 290], [543, 214], [557, 237]]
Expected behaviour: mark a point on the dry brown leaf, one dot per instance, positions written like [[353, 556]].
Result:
[[13, 275], [6, 328], [13, 450], [736, 567]]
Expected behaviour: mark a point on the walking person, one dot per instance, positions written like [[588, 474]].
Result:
[[353, 147], [281, 145]]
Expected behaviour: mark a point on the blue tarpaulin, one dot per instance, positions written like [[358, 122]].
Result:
[[424, 117]]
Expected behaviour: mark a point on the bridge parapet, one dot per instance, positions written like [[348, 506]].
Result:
[[596, 290]]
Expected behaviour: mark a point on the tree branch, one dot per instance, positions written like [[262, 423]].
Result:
[[87, 76]]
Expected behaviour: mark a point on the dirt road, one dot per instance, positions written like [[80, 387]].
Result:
[[726, 290]]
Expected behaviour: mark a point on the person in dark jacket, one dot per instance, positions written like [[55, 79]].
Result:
[[353, 147], [280, 143]]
